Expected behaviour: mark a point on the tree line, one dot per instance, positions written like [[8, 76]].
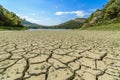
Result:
[[8, 18], [109, 14]]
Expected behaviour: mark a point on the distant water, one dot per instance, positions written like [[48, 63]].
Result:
[[49, 29]]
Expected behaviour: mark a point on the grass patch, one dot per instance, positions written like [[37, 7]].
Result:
[[2, 28], [110, 27], [42, 67]]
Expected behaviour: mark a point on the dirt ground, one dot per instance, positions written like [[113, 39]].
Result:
[[59, 55]]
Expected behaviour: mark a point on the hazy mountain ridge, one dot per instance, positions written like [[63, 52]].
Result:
[[71, 24], [33, 25]]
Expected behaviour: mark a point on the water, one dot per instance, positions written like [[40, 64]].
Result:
[[48, 29]]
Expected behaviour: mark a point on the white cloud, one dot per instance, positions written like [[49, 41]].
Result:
[[45, 21], [77, 13], [32, 19], [29, 19]]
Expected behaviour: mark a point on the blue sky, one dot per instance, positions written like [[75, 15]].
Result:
[[52, 12]]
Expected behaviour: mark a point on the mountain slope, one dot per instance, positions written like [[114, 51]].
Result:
[[33, 25], [29, 24], [8, 18], [72, 24], [108, 15]]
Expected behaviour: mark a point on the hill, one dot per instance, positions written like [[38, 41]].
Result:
[[72, 24], [8, 18], [108, 15], [33, 25]]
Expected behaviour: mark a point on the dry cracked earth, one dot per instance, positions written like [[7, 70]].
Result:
[[59, 55]]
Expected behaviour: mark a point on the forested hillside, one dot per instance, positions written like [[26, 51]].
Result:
[[109, 14], [8, 18], [72, 24]]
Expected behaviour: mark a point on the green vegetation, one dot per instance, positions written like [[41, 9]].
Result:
[[111, 27], [12, 28], [9, 20], [106, 19], [42, 67], [108, 15], [37, 68], [72, 24]]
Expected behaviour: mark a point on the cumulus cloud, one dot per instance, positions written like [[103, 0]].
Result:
[[77, 13]]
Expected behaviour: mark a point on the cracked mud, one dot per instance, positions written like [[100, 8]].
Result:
[[59, 55]]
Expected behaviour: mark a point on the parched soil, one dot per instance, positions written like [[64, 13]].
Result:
[[59, 55]]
